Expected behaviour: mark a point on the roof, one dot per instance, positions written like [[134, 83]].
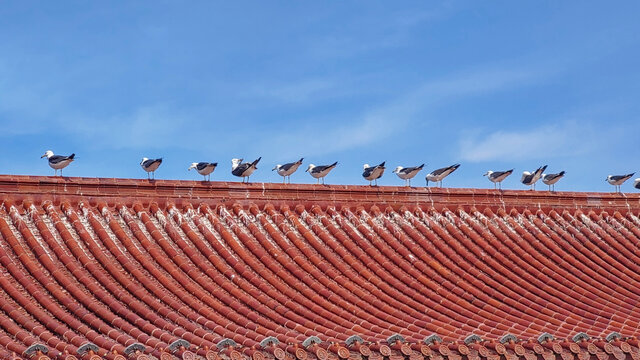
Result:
[[125, 268]]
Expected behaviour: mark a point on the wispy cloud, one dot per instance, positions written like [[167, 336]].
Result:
[[314, 138], [545, 142], [296, 91]]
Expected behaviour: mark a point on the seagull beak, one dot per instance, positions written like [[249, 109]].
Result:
[[43, 156]]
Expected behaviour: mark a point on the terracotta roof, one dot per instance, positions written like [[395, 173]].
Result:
[[120, 268]]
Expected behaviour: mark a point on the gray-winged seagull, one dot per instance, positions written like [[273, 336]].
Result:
[[407, 173], [373, 173], [243, 170], [58, 162], [150, 166], [617, 180], [287, 170], [320, 171], [204, 168], [496, 177], [531, 178], [552, 179], [439, 174]]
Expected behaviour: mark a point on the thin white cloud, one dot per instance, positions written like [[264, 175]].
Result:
[[316, 138], [544, 142], [296, 92]]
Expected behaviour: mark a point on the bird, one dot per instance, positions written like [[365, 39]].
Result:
[[407, 173], [58, 162], [287, 170], [552, 179], [150, 166], [636, 183], [204, 168], [320, 171], [496, 177], [373, 173], [243, 170], [617, 180], [439, 174], [530, 179]]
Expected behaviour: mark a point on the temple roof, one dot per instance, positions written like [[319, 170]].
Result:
[[123, 268]]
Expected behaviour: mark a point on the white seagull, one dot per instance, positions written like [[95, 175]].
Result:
[[373, 173], [530, 179], [617, 180], [552, 179], [439, 174], [320, 171], [636, 183], [243, 170], [204, 168], [58, 162], [287, 170], [496, 177], [407, 173], [150, 166]]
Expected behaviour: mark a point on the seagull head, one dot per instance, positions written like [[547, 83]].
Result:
[[488, 173], [276, 167], [397, 170], [235, 163], [311, 166], [608, 177], [143, 160], [193, 166], [47, 154], [366, 166]]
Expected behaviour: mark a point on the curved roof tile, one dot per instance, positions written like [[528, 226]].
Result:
[[124, 269]]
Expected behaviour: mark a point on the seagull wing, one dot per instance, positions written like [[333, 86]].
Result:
[[240, 169], [55, 159]]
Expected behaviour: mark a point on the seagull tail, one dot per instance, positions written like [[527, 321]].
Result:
[[420, 167], [300, 161], [215, 164], [256, 161], [454, 167], [334, 164], [71, 156], [159, 160], [561, 173], [382, 164]]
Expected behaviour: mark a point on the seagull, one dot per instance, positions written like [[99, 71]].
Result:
[[530, 179], [496, 177], [407, 173], [58, 162], [373, 173], [287, 169], [320, 171], [204, 168], [243, 170], [636, 183], [552, 179], [439, 174], [150, 166], [617, 180]]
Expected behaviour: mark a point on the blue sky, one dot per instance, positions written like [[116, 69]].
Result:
[[489, 84]]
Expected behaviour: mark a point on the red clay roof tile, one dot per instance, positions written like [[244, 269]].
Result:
[[179, 266]]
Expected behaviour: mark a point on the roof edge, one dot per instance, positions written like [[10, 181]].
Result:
[[40, 188]]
